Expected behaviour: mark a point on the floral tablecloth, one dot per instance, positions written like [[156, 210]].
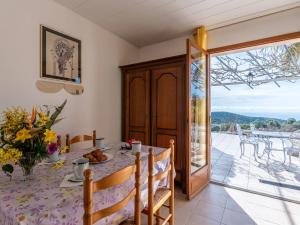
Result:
[[42, 202]]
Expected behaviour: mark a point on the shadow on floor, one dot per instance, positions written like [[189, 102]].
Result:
[[218, 205]]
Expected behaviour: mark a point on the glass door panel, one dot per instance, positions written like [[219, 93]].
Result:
[[198, 154], [198, 110]]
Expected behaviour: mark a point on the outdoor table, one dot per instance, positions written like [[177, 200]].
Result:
[[271, 134], [42, 202], [267, 135]]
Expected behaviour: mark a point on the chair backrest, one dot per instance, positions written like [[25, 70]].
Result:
[[295, 139], [152, 159], [114, 179], [81, 138], [252, 128], [239, 131]]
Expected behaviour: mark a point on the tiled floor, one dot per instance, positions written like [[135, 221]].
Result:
[[217, 205], [245, 172]]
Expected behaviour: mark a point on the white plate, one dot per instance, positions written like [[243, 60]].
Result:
[[73, 179], [109, 157], [107, 147]]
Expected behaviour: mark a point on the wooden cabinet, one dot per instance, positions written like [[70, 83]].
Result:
[[153, 104]]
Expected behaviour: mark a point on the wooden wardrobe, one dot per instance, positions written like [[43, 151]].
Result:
[[154, 104]]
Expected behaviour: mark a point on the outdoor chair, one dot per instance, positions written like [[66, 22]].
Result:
[[292, 145], [268, 150], [246, 140], [260, 138]]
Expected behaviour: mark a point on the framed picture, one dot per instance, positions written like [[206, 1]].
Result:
[[60, 56]]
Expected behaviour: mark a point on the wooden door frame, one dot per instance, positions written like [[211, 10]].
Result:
[[202, 171], [257, 42]]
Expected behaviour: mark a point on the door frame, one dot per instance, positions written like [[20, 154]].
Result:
[[257, 42]]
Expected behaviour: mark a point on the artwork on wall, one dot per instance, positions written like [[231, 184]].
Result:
[[60, 56]]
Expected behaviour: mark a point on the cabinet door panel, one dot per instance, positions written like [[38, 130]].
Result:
[[137, 105], [137, 136], [166, 101], [167, 113]]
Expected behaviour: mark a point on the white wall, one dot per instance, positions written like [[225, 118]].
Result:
[[102, 52], [275, 24]]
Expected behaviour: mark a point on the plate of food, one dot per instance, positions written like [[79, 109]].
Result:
[[97, 156]]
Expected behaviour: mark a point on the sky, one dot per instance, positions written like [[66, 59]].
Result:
[[264, 100], [267, 99]]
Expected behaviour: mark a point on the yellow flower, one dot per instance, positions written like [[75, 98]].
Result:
[[50, 136], [43, 119], [58, 164], [13, 120], [23, 135], [9, 155]]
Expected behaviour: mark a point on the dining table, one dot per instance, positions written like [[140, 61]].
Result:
[[42, 201]]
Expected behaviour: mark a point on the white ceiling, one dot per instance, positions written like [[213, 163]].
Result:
[[144, 22]]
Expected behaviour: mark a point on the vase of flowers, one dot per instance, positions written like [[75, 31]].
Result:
[[25, 138]]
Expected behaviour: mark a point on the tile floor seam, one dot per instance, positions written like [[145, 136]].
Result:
[[223, 212]]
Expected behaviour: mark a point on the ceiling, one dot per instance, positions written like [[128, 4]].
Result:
[[144, 22]]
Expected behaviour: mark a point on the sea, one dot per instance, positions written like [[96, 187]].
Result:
[[275, 115]]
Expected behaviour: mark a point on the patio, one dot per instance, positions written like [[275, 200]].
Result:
[[276, 179]]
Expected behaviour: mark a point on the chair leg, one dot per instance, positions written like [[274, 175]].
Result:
[[157, 220], [171, 209], [241, 146], [268, 154], [255, 149], [284, 156], [150, 218]]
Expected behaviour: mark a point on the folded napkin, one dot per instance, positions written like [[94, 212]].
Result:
[[68, 184]]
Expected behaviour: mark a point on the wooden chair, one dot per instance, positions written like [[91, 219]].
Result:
[[159, 198], [80, 138], [114, 179]]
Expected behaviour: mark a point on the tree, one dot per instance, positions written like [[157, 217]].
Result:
[[273, 124], [291, 120], [245, 126], [225, 126], [296, 125], [260, 124], [215, 128]]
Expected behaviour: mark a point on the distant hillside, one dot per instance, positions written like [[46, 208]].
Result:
[[227, 117]]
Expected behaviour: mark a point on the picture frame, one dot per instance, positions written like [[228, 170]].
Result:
[[60, 56]]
